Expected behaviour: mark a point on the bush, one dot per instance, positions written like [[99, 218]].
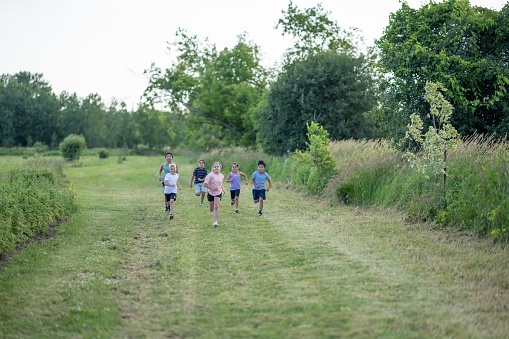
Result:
[[104, 153], [72, 146], [40, 147], [30, 200]]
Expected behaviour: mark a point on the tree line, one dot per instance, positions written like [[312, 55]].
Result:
[[223, 97], [30, 112]]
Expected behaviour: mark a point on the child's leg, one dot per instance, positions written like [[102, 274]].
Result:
[[217, 200], [211, 206], [202, 197], [237, 202], [261, 203], [172, 205]]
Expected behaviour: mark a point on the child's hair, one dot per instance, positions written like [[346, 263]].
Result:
[[261, 162], [201, 161], [173, 165], [234, 163], [169, 154]]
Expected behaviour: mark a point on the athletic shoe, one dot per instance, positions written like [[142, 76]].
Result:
[[200, 204], [260, 213], [170, 217], [236, 211], [232, 203], [216, 224], [167, 209]]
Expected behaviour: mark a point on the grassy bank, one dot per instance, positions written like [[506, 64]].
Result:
[[305, 269], [32, 197], [371, 173]]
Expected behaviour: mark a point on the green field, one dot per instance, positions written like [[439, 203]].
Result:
[[305, 269]]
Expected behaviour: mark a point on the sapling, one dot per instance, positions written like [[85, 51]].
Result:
[[440, 137]]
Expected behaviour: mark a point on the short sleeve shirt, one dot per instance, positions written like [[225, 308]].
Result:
[[215, 180], [199, 174], [259, 179], [172, 180]]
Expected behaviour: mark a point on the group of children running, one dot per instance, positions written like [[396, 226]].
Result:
[[212, 185]]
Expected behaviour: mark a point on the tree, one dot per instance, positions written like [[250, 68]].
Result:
[[463, 47], [331, 89], [217, 89], [440, 137], [312, 31], [28, 109]]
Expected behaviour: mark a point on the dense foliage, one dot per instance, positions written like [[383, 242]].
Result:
[[32, 115], [216, 89], [334, 90], [72, 146], [461, 46], [31, 198]]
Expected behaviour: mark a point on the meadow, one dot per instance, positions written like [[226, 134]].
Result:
[[307, 268]]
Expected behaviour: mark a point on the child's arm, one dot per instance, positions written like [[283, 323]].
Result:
[[268, 188], [245, 176], [176, 169], [228, 178], [206, 184], [255, 185], [192, 181], [167, 183], [180, 187], [160, 171]]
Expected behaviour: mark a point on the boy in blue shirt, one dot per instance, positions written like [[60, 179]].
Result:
[[259, 178]]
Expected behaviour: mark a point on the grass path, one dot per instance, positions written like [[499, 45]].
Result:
[[305, 269]]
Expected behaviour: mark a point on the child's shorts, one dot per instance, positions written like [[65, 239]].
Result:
[[210, 198], [258, 194], [170, 196], [198, 187], [234, 193]]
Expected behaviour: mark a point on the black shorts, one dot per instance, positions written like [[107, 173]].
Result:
[[234, 193], [170, 196], [258, 194], [210, 198]]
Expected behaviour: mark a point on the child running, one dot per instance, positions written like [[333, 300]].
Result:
[[166, 168], [170, 188], [259, 178], [234, 180], [214, 183], [199, 175]]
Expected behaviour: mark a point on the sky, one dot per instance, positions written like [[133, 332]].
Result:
[[103, 46]]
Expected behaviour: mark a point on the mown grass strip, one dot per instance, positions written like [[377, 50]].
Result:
[[120, 268]]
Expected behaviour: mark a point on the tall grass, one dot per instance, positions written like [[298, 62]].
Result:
[[371, 172], [477, 191], [31, 197]]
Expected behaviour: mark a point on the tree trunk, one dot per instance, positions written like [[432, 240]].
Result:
[[445, 176]]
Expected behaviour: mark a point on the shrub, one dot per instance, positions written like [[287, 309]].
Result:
[[40, 147], [72, 145], [104, 153], [30, 199]]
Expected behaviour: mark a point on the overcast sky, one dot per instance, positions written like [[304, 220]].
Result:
[[103, 46]]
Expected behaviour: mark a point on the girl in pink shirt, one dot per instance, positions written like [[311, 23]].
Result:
[[214, 184]]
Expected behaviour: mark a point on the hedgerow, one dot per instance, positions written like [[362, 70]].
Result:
[[31, 198]]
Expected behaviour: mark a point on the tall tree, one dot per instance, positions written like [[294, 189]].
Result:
[[312, 31], [463, 47], [331, 89], [324, 79], [28, 109], [216, 88]]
